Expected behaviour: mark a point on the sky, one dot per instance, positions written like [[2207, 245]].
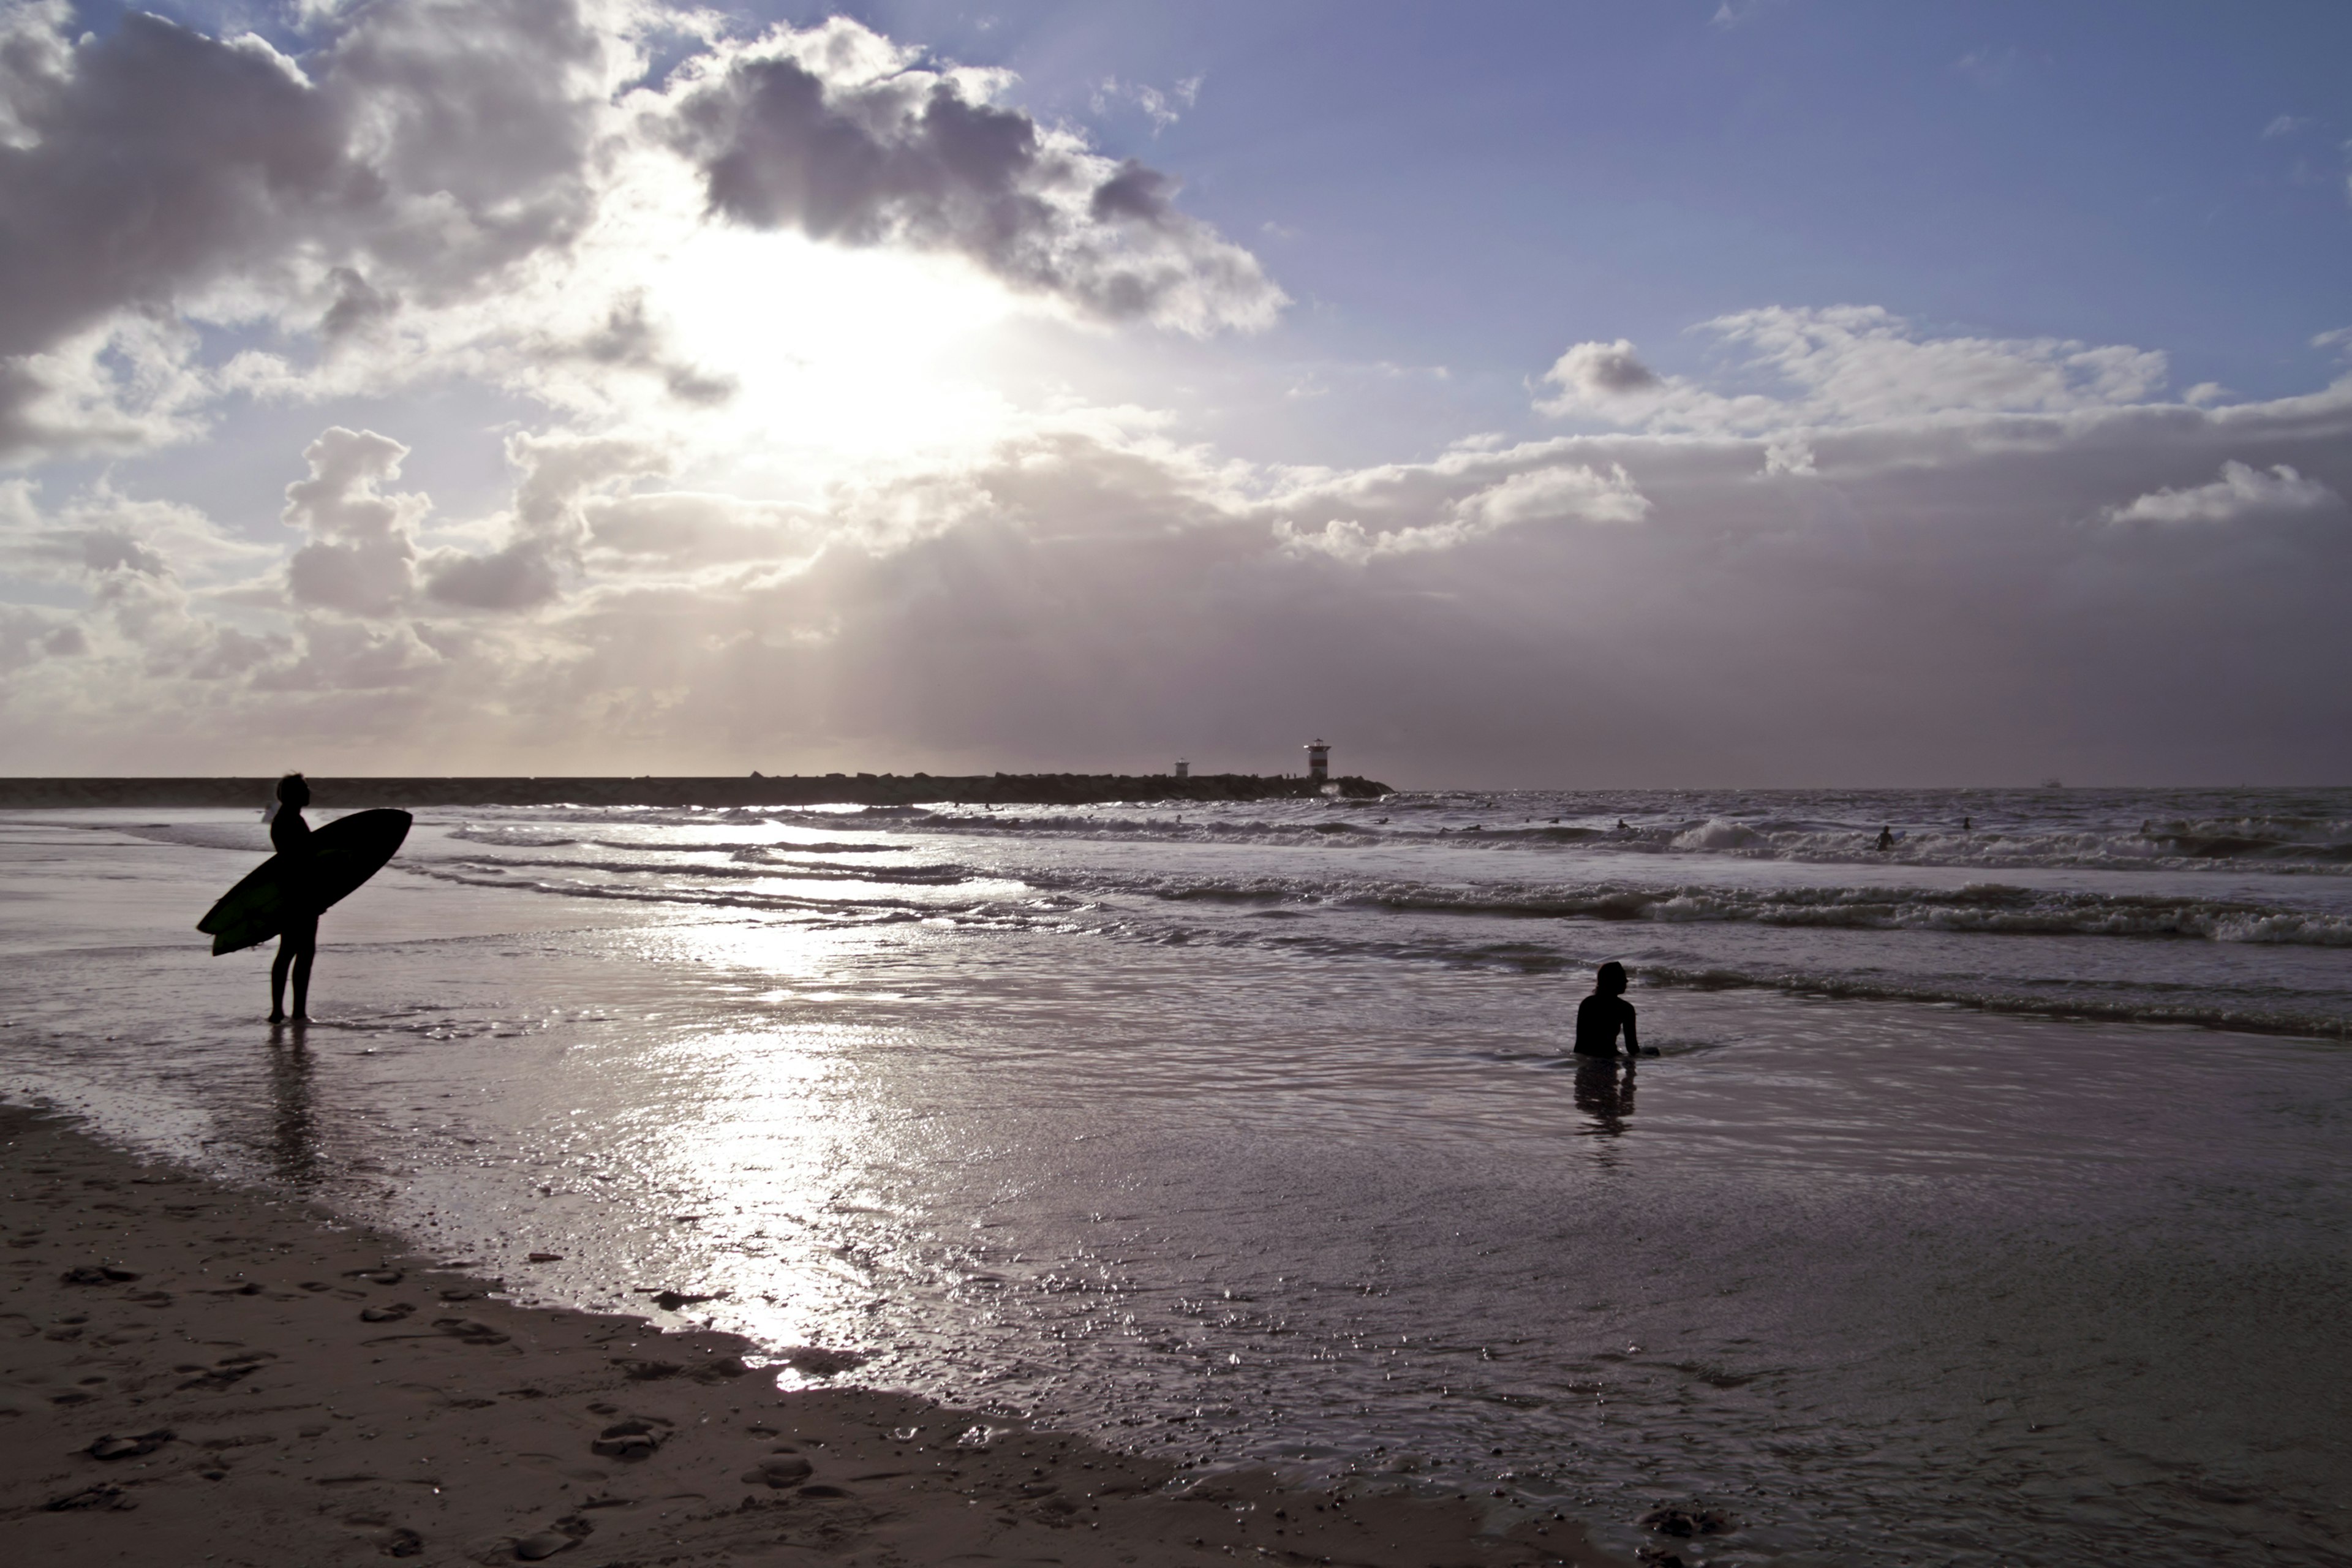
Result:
[[1704, 392]]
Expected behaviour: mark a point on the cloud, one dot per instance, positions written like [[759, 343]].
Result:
[[335, 657], [103, 530], [360, 553], [2286, 125], [838, 133], [548, 527], [148, 158], [1594, 374], [2241, 493], [1163, 108], [1848, 365], [129, 563], [420, 154], [1551, 493], [435, 188], [1534, 494], [1926, 606], [688, 529]]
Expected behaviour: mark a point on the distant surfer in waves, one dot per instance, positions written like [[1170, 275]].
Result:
[[1886, 837], [297, 942], [1601, 1015]]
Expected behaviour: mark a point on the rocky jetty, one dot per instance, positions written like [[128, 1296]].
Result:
[[857, 789]]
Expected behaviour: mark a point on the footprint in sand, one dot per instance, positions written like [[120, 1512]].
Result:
[[568, 1533], [111, 1448], [628, 1440], [778, 1470]]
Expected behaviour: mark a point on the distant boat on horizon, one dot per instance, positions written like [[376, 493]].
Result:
[[2053, 782]]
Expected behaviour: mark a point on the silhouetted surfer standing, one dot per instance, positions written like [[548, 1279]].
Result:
[[1599, 1015], [298, 942]]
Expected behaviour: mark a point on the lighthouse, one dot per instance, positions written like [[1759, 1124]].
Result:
[[1318, 761]]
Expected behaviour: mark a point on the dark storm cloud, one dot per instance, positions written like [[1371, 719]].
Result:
[[910, 157]]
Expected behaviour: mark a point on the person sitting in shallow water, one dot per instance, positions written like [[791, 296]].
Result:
[[297, 940], [1601, 1015]]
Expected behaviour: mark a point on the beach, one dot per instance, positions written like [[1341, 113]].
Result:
[[1983, 1206], [196, 1373]]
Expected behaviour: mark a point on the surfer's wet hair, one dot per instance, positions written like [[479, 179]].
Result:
[[1612, 976], [293, 789]]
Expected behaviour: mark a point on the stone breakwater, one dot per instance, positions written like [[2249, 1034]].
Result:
[[855, 789]]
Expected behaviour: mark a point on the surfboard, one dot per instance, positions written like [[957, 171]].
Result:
[[343, 854]]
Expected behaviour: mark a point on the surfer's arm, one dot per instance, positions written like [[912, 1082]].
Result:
[[1633, 1045]]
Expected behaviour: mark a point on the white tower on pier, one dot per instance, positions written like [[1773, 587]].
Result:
[[1319, 760]]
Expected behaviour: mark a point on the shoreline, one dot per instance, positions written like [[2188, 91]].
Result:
[[201, 1373], [756, 790]]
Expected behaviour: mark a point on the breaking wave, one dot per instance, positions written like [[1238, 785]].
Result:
[[1988, 907]]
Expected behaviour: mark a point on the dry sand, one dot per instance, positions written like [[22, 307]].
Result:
[[196, 1374]]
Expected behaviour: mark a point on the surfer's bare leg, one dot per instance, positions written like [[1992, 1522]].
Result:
[[297, 947], [302, 978]]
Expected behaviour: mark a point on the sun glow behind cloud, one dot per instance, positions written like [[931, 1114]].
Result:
[[839, 359]]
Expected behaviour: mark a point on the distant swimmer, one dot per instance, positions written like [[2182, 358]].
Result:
[[1967, 825], [1886, 837], [297, 940], [1622, 827], [1599, 1015]]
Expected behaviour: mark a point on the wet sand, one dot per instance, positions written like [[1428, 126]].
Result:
[[196, 1373]]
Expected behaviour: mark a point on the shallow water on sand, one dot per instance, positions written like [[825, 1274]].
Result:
[[1230, 1144]]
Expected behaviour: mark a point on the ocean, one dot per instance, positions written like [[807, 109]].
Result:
[[1984, 1204]]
